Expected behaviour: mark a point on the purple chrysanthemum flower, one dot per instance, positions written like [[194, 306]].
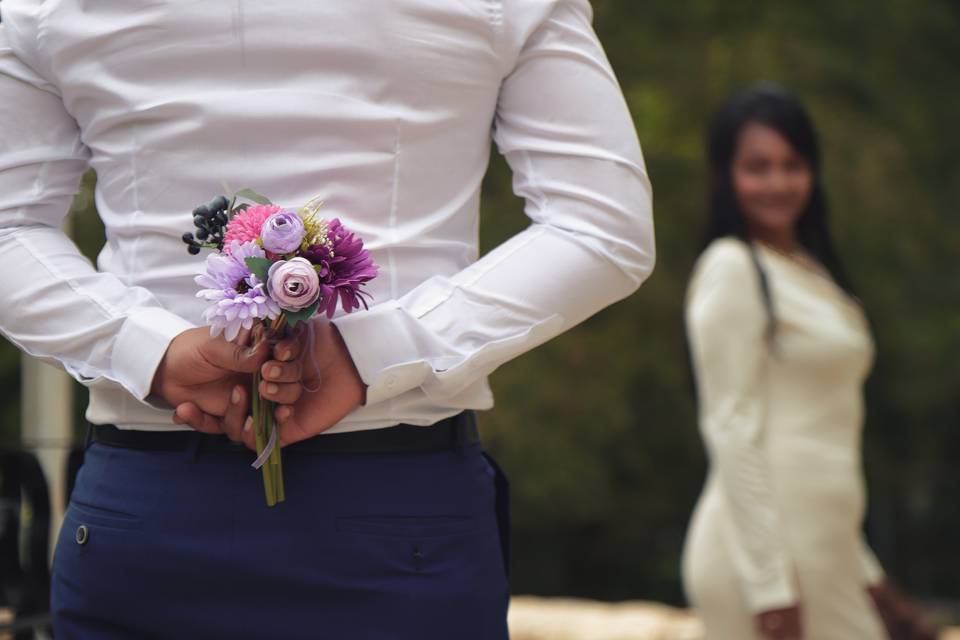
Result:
[[345, 267], [237, 295]]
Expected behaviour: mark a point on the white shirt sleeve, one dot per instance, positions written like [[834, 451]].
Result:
[[727, 324], [563, 125], [56, 306]]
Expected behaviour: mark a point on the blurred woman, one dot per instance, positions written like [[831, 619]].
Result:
[[780, 349]]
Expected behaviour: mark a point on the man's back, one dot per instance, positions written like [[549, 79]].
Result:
[[382, 108]]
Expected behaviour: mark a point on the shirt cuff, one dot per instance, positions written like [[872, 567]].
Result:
[[382, 343], [140, 347]]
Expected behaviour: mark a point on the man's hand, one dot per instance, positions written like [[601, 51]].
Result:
[[223, 406], [202, 369], [332, 385], [779, 624]]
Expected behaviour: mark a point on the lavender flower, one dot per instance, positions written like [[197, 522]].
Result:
[[282, 232], [237, 295], [345, 267]]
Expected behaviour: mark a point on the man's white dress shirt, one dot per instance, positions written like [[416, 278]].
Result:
[[385, 108]]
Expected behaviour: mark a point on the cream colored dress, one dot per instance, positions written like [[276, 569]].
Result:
[[779, 520]]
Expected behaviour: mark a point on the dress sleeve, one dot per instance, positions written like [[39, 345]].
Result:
[[56, 306], [870, 567], [726, 324], [564, 128]]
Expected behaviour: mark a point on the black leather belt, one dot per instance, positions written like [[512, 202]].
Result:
[[449, 434]]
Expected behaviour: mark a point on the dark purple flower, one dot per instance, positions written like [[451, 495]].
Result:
[[346, 266]]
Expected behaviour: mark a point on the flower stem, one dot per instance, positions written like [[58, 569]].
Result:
[[273, 461], [259, 408], [278, 329], [279, 466]]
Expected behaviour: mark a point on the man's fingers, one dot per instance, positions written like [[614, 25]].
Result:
[[237, 429], [233, 357], [236, 414], [281, 392], [247, 435], [290, 430], [276, 371], [289, 348], [190, 414], [243, 338]]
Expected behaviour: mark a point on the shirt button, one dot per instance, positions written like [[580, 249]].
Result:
[[83, 534]]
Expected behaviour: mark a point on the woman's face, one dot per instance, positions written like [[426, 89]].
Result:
[[771, 181]]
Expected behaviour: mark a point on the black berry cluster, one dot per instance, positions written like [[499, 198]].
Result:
[[210, 219]]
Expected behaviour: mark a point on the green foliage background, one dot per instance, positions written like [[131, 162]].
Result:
[[597, 428]]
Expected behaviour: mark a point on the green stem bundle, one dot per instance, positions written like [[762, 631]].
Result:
[[264, 424]]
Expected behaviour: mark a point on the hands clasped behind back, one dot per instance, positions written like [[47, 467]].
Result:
[[208, 379], [309, 375]]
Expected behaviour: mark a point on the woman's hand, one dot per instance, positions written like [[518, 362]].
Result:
[[900, 615], [779, 624]]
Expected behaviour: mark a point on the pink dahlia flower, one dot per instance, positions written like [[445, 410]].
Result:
[[246, 225]]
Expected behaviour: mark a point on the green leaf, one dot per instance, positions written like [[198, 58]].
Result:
[[293, 317], [259, 267], [253, 196]]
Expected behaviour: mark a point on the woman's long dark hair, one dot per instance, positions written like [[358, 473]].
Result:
[[776, 108]]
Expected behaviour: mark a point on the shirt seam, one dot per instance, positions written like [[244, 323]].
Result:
[[391, 253], [43, 13], [535, 231], [105, 307], [495, 18]]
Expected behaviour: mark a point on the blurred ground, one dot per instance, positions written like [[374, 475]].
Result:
[[534, 618]]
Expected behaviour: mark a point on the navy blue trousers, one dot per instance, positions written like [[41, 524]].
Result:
[[366, 546]]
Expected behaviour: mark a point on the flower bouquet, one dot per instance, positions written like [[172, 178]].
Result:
[[274, 268]]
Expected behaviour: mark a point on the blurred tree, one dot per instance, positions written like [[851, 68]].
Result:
[[598, 428]]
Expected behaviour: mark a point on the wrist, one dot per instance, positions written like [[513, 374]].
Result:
[[158, 386], [353, 372], [163, 375]]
